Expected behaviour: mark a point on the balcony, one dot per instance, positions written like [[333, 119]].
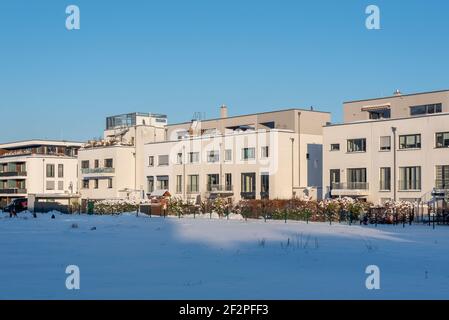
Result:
[[193, 189], [13, 191], [351, 189], [97, 170], [13, 174], [216, 188], [442, 184]]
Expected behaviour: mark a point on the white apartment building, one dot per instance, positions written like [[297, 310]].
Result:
[[45, 169], [267, 155], [112, 168], [393, 148]]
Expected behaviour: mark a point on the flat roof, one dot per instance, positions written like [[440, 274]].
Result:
[[398, 96], [387, 120], [252, 114], [26, 143]]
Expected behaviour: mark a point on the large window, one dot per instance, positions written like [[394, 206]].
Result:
[[356, 179], [380, 114], [96, 183], [248, 153], [194, 157], [442, 140], [411, 141], [264, 185], [163, 160], [228, 155], [110, 183], [213, 156], [248, 185], [334, 178], [108, 163], [385, 143], [194, 185], [85, 164], [385, 179], [50, 170], [442, 177], [97, 164], [426, 109], [357, 145], [178, 184], [60, 171], [228, 178], [179, 158], [151, 161], [162, 182], [410, 178], [150, 181], [85, 184]]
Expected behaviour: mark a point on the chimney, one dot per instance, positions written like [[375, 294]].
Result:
[[223, 112]]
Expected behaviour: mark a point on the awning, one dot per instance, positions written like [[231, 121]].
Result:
[[377, 108]]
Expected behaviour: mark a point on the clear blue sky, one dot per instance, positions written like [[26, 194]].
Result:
[[178, 57]]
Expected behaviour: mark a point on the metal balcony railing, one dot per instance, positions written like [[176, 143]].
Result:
[[97, 170], [350, 186], [442, 184], [13, 191], [13, 174], [219, 188]]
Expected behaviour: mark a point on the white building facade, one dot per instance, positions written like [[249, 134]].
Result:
[[269, 155], [38, 167], [393, 148]]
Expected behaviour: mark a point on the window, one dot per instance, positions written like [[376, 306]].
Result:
[[50, 185], [96, 183], [265, 152], [334, 178], [357, 145], [178, 184], [357, 179], [213, 180], [442, 140], [151, 161], [179, 158], [248, 186], [150, 181], [248, 153], [228, 179], [97, 164], [162, 182], [335, 147], [60, 185], [85, 164], [412, 141], [385, 179], [213, 156], [163, 160], [193, 183], [228, 155], [442, 177], [108, 163], [385, 143], [194, 157], [60, 171], [264, 185], [410, 178], [50, 170], [380, 114], [110, 183], [426, 109], [85, 184]]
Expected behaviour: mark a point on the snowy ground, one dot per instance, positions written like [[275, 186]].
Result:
[[155, 258]]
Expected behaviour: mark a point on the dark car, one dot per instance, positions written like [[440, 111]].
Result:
[[18, 205]]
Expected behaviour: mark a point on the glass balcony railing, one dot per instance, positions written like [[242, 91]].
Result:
[[97, 170], [13, 174], [350, 186], [13, 191], [442, 184], [219, 188]]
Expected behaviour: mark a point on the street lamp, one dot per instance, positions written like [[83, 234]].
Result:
[[293, 169]]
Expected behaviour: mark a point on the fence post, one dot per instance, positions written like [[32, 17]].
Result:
[[433, 219]]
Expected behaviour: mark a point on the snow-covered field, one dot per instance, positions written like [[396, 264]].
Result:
[[129, 257]]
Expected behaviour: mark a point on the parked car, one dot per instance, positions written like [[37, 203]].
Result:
[[18, 204]]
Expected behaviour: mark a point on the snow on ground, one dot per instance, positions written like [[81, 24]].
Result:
[[129, 257]]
